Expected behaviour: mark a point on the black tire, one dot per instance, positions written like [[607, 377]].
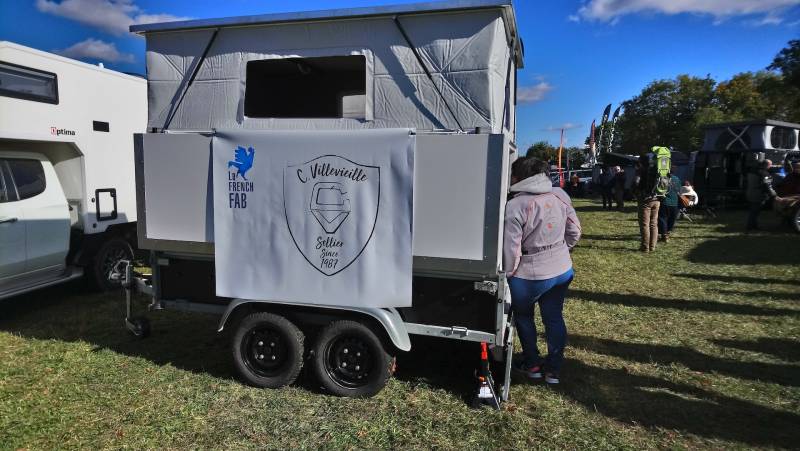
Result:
[[267, 350], [350, 360], [111, 252], [141, 327]]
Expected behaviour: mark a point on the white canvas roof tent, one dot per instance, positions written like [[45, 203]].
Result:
[[197, 68]]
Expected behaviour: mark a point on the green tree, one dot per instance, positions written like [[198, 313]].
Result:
[[542, 150], [665, 114], [787, 62], [673, 112]]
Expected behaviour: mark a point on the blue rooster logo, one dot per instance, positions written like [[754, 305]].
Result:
[[243, 160]]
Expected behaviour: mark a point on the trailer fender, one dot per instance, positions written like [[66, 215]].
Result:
[[388, 318]]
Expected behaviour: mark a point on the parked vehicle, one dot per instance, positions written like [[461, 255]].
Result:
[[463, 55], [67, 191]]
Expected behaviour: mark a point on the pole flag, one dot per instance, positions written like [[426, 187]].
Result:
[[613, 126], [592, 143], [560, 169], [603, 122]]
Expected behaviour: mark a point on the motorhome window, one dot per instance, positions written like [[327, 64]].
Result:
[[782, 138], [320, 87], [28, 177], [100, 126], [28, 84]]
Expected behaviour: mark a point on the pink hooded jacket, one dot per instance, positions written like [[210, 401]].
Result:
[[540, 228]]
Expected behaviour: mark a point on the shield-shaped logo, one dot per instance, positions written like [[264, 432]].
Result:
[[331, 205]]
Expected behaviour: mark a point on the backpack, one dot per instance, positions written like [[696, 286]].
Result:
[[656, 169]]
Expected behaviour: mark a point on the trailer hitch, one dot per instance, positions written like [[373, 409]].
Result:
[[132, 282]]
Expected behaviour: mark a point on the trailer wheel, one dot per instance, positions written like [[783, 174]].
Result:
[[350, 360], [106, 258], [267, 350]]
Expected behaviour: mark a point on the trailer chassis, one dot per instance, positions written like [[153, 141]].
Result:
[[500, 345]]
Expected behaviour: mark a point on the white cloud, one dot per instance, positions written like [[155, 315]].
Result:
[[112, 16], [535, 93], [612, 10], [566, 126], [574, 18], [95, 49]]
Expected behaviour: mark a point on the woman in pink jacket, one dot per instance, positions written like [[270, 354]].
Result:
[[541, 228]]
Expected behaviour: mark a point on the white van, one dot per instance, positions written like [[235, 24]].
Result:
[[67, 190]]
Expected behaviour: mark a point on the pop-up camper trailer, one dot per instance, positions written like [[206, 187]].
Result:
[[337, 173], [732, 149]]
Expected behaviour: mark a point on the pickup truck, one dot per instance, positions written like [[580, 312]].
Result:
[[34, 225]]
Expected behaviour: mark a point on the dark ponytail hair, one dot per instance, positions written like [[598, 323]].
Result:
[[526, 167]]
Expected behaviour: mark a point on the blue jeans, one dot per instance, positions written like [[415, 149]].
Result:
[[550, 295]]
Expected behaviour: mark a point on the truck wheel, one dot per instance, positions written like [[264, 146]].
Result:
[[350, 360], [267, 350], [109, 254]]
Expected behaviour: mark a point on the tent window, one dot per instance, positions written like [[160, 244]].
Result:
[[320, 87], [782, 138]]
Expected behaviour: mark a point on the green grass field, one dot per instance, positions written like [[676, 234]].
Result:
[[694, 346]]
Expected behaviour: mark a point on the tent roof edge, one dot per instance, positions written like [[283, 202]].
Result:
[[347, 13]]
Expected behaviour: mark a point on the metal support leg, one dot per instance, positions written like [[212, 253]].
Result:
[[509, 354]]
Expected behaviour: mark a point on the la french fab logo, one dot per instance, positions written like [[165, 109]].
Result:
[[238, 184]]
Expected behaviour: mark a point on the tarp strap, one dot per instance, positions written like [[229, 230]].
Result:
[[508, 93], [174, 107], [425, 68]]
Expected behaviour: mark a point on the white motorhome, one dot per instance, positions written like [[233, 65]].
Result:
[[326, 95], [67, 191]]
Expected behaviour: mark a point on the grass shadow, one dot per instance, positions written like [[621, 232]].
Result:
[[788, 350], [787, 375], [190, 341], [653, 402], [738, 279], [636, 300], [764, 294], [748, 250], [629, 238]]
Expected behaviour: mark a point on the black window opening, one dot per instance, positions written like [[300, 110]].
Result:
[[100, 126], [25, 83], [28, 177], [320, 87], [782, 138]]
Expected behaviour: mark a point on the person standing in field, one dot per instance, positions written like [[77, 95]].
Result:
[[541, 227], [668, 211], [619, 187], [759, 192], [648, 204], [607, 187]]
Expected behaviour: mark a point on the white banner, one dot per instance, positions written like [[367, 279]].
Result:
[[318, 217]]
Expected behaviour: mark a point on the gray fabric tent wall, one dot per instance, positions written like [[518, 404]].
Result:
[[467, 52]]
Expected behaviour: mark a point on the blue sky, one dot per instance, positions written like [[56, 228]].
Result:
[[580, 54]]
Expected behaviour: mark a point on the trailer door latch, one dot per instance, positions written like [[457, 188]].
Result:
[[486, 286]]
